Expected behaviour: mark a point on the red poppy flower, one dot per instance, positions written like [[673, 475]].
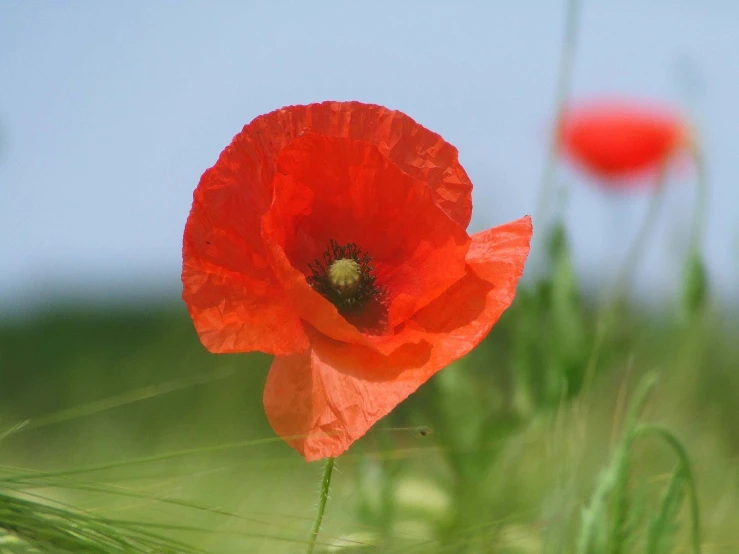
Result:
[[333, 236], [619, 138]]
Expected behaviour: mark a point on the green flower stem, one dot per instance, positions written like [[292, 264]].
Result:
[[668, 437], [622, 467], [701, 200], [564, 79], [694, 273], [636, 249], [322, 499], [625, 273]]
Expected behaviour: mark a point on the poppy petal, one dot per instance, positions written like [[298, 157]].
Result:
[[417, 151], [228, 285], [331, 395], [620, 139], [325, 399], [463, 315], [347, 191], [223, 244], [231, 314]]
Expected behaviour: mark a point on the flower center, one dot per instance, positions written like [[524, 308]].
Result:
[[344, 276]]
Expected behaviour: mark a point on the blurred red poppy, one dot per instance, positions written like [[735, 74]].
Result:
[[617, 139], [333, 236]]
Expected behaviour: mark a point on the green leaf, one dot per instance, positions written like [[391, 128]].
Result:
[[663, 526]]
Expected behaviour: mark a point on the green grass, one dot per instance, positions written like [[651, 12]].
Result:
[[122, 434]]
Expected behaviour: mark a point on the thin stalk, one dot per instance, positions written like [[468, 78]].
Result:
[[694, 290], [622, 467], [701, 199], [117, 401], [322, 499], [564, 78], [636, 249], [682, 454], [21, 474], [625, 273]]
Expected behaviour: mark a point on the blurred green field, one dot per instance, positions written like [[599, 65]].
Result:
[[509, 463]]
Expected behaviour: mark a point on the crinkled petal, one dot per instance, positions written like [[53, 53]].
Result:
[[330, 396], [234, 299], [233, 296], [325, 399], [347, 191], [230, 317], [420, 153], [464, 315]]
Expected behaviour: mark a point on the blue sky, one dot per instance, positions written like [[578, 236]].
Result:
[[110, 112]]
